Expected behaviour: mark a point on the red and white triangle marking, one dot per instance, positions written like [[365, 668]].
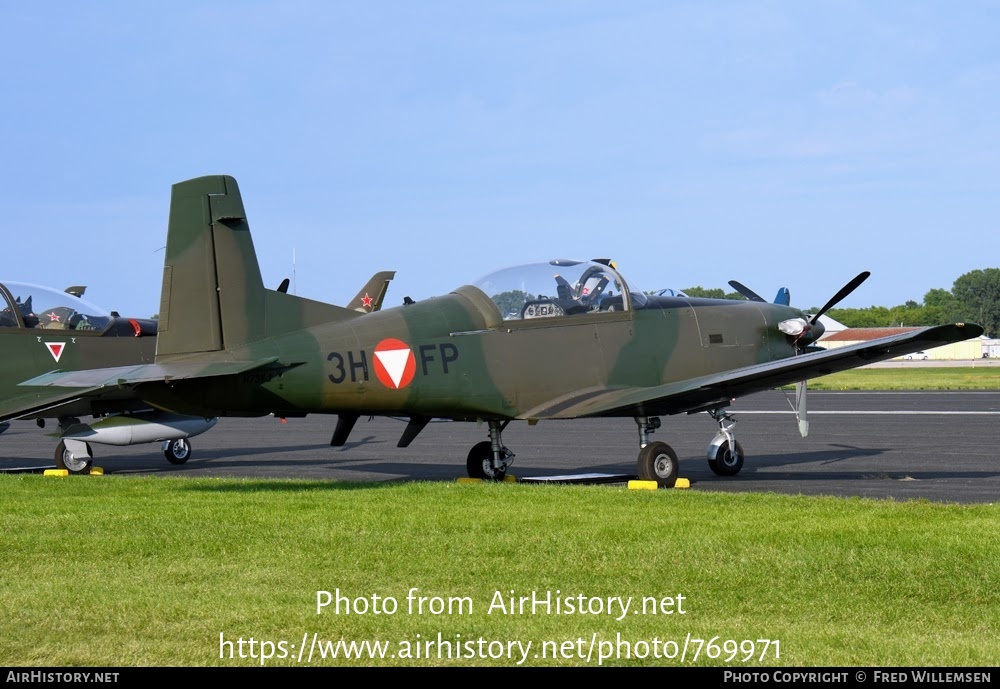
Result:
[[394, 361], [55, 349]]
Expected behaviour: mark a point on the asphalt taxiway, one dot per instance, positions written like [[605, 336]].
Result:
[[939, 446]]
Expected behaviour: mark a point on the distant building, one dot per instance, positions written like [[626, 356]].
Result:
[[991, 347]]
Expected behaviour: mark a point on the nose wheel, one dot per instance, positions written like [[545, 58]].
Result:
[[177, 451], [722, 460], [725, 454]]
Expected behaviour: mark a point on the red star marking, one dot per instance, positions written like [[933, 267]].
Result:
[[366, 301], [54, 317]]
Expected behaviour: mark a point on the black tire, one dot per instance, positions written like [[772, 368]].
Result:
[[68, 461], [480, 463], [177, 451], [658, 462], [724, 463]]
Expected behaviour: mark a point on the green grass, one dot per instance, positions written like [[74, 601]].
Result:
[[130, 571], [917, 378]]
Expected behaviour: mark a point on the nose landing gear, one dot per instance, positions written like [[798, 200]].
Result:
[[725, 454]]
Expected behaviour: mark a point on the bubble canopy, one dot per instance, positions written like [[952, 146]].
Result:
[[560, 287], [48, 308]]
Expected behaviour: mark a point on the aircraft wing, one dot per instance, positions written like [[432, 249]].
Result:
[[58, 388], [703, 392], [34, 402]]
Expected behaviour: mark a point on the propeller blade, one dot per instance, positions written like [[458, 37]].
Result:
[[800, 406], [745, 291], [844, 291]]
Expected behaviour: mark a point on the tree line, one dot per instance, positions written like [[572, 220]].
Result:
[[974, 298]]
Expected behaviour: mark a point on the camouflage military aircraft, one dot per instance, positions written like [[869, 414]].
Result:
[[557, 340], [42, 329]]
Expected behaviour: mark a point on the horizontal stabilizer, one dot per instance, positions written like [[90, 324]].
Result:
[[146, 373]]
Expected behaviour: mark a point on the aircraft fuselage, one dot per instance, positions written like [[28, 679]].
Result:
[[452, 357]]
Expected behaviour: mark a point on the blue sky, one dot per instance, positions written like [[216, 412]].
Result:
[[776, 143]]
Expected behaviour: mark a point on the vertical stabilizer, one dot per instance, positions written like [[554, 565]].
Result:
[[212, 296], [370, 297]]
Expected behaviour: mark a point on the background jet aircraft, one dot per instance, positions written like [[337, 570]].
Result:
[[369, 298], [43, 329], [557, 340]]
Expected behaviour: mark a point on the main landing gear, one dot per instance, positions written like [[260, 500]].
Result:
[[658, 461], [489, 459]]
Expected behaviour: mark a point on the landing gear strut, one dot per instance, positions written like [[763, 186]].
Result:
[[489, 459], [725, 454], [657, 461]]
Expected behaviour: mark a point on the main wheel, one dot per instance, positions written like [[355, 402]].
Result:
[[726, 463], [177, 451], [70, 462], [658, 462], [480, 463]]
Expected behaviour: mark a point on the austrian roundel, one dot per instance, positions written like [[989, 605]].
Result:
[[394, 363]]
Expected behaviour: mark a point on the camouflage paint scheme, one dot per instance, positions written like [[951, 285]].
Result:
[[81, 336], [30, 350], [227, 346]]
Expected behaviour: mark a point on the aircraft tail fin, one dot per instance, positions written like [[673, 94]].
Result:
[[213, 297], [369, 298]]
